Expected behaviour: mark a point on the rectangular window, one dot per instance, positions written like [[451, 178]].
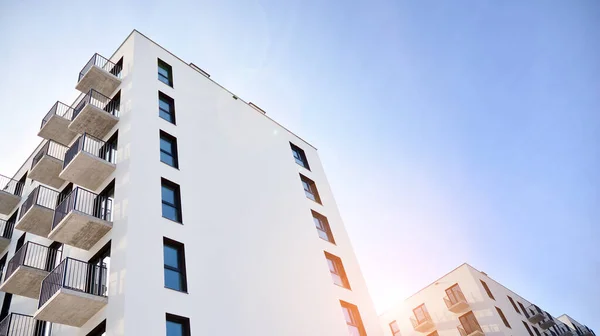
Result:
[[469, 323], [174, 260], [165, 73], [395, 328], [487, 290], [421, 314], [166, 107], [299, 156], [322, 225], [178, 325], [168, 149], [503, 317], [353, 320], [537, 332], [171, 201], [455, 295], [310, 189], [527, 327], [337, 270], [512, 302], [523, 309]]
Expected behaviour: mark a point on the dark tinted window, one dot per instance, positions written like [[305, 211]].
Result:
[[178, 325], [174, 262], [166, 107], [299, 156], [171, 202], [165, 73], [322, 225], [168, 149]]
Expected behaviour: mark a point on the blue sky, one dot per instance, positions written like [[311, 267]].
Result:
[[451, 131]]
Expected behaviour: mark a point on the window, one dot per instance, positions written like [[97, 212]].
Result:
[[469, 323], [168, 149], [537, 332], [523, 310], [166, 107], [174, 265], [512, 302], [527, 327], [353, 321], [322, 226], [487, 290], [395, 328], [299, 156], [310, 189], [455, 295], [503, 317], [171, 201], [421, 314], [337, 270], [165, 73], [114, 105], [178, 325]]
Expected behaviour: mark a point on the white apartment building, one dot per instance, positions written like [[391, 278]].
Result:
[[160, 203], [467, 302]]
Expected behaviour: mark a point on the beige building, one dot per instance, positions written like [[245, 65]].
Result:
[[467, 302]]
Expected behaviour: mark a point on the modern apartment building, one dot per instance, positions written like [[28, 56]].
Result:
[[160, 203], [467, 302]]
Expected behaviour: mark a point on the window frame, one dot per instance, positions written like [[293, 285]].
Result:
[[168, 68], [177, 198], [395, 332], [181, 269], [173, 142], [171, 102], [528, 329], [455, 294], [301, 160], [470, 318], [537, 332], [184, 321], [312, 189], [487, 290], [354, 315], [512, 302], [503, 317], [324, 226], [340, 271], [423, 309]]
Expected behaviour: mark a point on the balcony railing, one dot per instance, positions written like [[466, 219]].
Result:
[[98, 100], [455, 300], [20, 325], [40, 196], [422, 323], [60, 110], [51, 149], [35, 256], [103, 64], [6, 229], [534, 314], [586, 331], [85, 202], [93, 146], [11, 186], [469, 329]]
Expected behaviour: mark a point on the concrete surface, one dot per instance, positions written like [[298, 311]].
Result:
[[46, 171], [99, 80], [8, 202], [57, 129], [80, 230], [37, 220], [93, 121], [70, 307], [87, 170], [25, 281]]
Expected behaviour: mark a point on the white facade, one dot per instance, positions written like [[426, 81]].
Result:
[[451, 312], [255, 264]]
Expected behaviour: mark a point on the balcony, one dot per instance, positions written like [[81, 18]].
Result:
[[47, 164], [456, 302], [6, 231], [81, 219], [423, 324], [101, 75], [55, 125], [470, 330], [15, 324], [27, 268], [10, 194], [534, 314], [95, 114], [88, 162], [37, 211], [585, 331], [72, 293], [548, 322]]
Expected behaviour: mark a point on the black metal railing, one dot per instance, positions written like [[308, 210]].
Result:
[[102, 63], [20, 325], [11, 186], [59, 109], [585, 330], [6, 229], [454, 297], [42, 196], [98, 100], [533, 310], [91, 145], [75, 275], [33, 255], [85, 202], [52, 149]]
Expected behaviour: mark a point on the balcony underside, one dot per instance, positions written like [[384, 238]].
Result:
[[37, 220], [4, 242], [476, 333], [424, 326], [25, 281], [99, 80], [458, 307], [70, 307], [57, 130], [534, 319], [8, 202], [80, 230], [46, 171], [547, 324], [93, 121], [87, 170]]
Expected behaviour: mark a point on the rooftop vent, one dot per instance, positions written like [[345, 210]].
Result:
[[257, 108], [197, 68]]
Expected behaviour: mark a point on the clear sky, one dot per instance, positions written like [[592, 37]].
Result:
[[451, 131]]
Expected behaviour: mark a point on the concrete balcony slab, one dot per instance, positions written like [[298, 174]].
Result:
[[8, 202], [87, 170], [80, 230], [70, 307], [57, 129], [37, 220], [24, 281], [94, 121], [98, 79], [46, 171], [459, 306], [4, 242]]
